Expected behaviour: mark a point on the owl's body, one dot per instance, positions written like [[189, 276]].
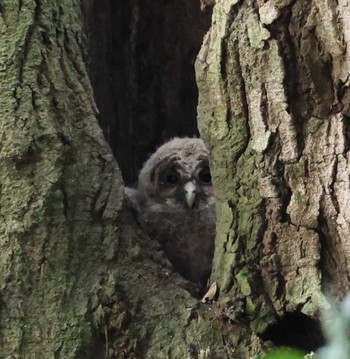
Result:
[[175, 205]]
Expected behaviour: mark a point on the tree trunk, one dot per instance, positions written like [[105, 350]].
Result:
[[273, 107], [78, 277], [60, 187]]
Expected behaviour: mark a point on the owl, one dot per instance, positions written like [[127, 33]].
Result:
[[175, 205]]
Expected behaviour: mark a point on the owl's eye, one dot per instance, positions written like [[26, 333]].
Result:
[[205, 176], [170, 178]]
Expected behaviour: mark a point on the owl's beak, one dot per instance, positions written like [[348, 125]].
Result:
[[190, 193]]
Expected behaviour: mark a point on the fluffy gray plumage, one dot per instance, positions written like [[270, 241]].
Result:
[[175, 204]]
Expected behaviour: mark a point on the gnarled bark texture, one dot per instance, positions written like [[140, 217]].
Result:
[[273, 107]]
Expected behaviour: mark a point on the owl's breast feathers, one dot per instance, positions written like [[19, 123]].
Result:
[[186, 235]]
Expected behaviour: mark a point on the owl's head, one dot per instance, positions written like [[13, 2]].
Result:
[[178, 173]]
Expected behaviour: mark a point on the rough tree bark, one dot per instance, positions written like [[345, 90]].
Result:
[[273, 79], [77, 277], [60, 188]]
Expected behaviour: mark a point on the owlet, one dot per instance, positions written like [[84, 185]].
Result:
[[174, 202]]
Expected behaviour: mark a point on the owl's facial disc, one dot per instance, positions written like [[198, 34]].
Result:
[[190, 193]]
